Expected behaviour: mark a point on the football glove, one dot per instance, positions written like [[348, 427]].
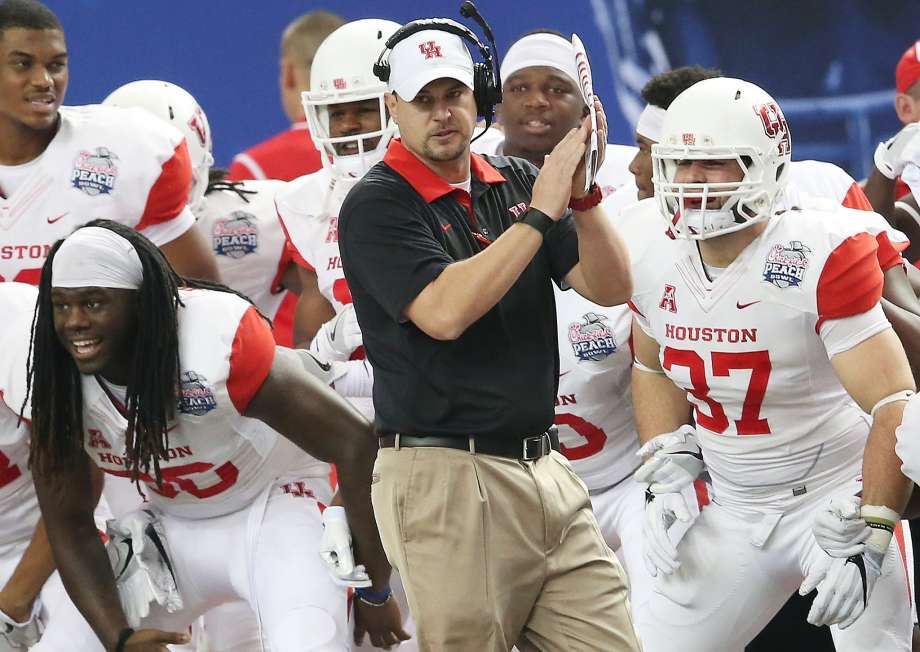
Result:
[[892, 155], [21, 636], [676, 461], [338, 338], [335, 549]]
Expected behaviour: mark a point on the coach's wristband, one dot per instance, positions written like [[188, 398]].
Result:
[[373, 598], [538, 220], [589, 201], [123, 637]]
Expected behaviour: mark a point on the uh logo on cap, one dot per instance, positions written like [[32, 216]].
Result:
[[430, 49]]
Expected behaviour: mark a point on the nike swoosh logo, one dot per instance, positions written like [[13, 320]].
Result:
[[446, 227], [52, 220], [565, 372], [127, 559], [742, 306]]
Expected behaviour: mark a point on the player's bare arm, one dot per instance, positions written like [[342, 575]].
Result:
[[191, 255], [28, 578], [907, 327], [67, 497], [660, 406], [313, 310], [871, 371], [307, 412]]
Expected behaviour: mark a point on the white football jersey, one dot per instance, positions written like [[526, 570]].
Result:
[[824, 180], [613, 173], [219, 461], [248, 241], [593, 404], [18, 503], [309, 210], [104, 162], [752, 346]]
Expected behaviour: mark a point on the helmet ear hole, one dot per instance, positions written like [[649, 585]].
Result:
[[779, 170]]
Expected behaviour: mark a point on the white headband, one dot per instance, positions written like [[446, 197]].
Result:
[[96, 257], [651, 120], [541, 50]]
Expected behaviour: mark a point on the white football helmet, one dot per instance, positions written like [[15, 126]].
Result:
[[717, 119], [179, 108], [342, 71]]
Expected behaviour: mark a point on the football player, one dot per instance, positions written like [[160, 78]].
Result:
[[35, 612], [239, 217], [541, 102], [767, 323], [176, 380], [61, 166], [350, 125]]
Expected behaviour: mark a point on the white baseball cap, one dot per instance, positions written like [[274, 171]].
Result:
[[425, 56]]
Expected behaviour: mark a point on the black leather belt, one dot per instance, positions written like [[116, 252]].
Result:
[[527, 448]]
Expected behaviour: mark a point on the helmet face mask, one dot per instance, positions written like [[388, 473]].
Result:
[[721, 119], [371, 145], [342, 73]]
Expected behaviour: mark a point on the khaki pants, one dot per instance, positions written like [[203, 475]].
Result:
[[492, 549]]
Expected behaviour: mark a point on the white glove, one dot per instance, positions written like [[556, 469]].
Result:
[[661, 512], [21, 636], [839, 529], [844, 587], [335, 549], [326, 372], [890, 156], [676, 461], [338, 338], [142, 574]]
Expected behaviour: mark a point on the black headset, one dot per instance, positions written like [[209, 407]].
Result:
[[486, 92]]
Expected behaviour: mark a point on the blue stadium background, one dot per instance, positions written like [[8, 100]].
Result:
[[830, 62]]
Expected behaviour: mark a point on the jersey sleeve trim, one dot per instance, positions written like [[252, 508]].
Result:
[[856, 198], [288, 255], [841, 335], [851, 280], [289, 244], [169, 193], [889, 253], [250, 359]]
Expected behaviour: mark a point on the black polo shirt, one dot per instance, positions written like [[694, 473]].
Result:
[[399, 227]]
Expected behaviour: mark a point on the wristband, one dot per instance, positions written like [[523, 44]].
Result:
[[589, 201], [537, 219], [373, 598], [123, 637]]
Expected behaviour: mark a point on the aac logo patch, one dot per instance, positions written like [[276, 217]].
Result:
[[669, 299], [591, 338], [786, 265], [95, 172], [195, 395], [236, 236]]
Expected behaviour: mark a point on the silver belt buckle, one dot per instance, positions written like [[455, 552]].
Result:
[[541, 451]]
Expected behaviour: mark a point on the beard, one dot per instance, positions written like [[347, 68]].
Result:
[[446, 152]]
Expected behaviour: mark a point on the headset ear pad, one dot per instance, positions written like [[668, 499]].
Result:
[[382, 70], [485, 92]]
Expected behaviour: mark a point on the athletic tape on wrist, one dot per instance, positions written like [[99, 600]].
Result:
[[641, 367], [903, 395], [882, 520]]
